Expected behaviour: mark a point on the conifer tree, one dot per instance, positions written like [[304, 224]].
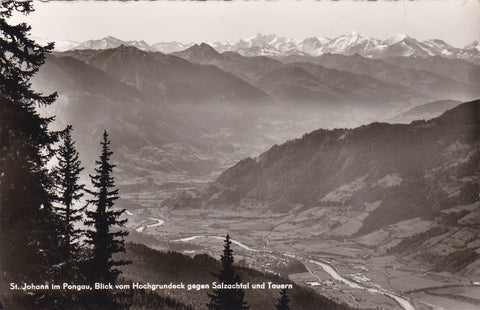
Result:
[[106, 237], [227, 299], [68, 191], [28, 225], [20, 57], [283, 301]]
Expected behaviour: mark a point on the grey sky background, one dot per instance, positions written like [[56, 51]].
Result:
[[455, 21]]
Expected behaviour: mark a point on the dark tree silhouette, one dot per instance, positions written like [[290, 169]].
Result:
[[68, 191], [28, 225], [20, 57], [283, 302], [106, 237], [227, 299]]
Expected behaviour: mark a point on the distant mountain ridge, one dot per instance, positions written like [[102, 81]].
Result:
[[199, 105], [426, 111], [386, 173], [202, 74], [349, 44], [334, 78], [273, 45], [436, 76], [111, 42], [154, 106], [169, 77]]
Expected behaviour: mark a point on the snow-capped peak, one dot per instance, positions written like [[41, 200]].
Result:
[[354, 35], [396, 38], [274, 45], [353, 43], [60, 45], [473, 45]]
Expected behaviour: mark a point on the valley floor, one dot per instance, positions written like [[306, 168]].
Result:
[[341, 269]]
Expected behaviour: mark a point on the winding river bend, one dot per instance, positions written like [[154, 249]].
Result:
[[159, 222], [403, 302]]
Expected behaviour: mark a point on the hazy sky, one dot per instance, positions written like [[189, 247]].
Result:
[[455, 21]]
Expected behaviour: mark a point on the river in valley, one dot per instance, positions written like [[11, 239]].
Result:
[[329, 269]]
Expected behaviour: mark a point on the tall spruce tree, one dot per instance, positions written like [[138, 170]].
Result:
[[68, 191], [227, 299], [106, 237], [283, 302], [28, 225]]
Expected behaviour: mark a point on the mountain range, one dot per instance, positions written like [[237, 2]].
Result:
[[273, 45], [208, 101], [396, 81], [178, 120], [169, 118], [169, 78], [405, 170], [202, 74], [349, 44], [436, 76], [407, 189]]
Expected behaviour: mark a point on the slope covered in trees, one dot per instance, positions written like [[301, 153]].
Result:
[[413, 170], [153, 266]]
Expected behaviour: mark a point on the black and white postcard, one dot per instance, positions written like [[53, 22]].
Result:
[[239, 155]]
